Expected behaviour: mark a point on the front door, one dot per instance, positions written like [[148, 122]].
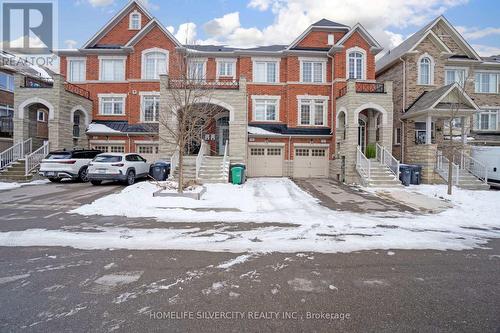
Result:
[[362, 135], [222, 134]]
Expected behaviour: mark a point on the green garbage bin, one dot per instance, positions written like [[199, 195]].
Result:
[[238, 174]]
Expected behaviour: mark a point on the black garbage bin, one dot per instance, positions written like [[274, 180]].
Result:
[[160, 170], [416, 174], [405, 174]]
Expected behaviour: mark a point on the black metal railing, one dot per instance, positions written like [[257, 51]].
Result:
[[31, 82], [203, 84], [370, 87]]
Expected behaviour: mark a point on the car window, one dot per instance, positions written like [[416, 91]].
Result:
[[79, 155], [92, 154], [108, 159], [58, 156], [140, 158], [130, 158]]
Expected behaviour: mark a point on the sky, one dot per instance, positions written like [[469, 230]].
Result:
[[248, 23]]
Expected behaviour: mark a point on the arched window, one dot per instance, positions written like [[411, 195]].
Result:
[[135, 21], [356, 65], [425, 71], [154, 64]]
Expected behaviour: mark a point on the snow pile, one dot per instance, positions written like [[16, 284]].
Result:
[[260, 131], [300, 223], [11, 186], [100, 128]]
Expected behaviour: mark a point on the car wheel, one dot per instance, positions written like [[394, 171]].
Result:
[[55, 180], [96, 182], [83, 175], [130, 178]]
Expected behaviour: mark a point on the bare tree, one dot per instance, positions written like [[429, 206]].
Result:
[[456, 147], [189, 108]]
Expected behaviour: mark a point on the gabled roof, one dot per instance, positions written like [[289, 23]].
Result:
[[376, 47], [323, 24], [411, 42], [117, 18], [433, 101], [147, 28]]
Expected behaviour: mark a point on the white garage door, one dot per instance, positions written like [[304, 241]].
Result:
[[310, 163], [265, 162]]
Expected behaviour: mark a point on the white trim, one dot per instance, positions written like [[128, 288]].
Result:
[[436, 39], [147, 28], [135, 12], [455, 86], [101, 96], [456, 68], [124, 61], [81, 109], [277, 61], [32, 101], [197, 60], [431, 70], [312, 146], [363, 60], [267, 144], [364, 32], [457, 34], [322, 60], [308, 30], [374, 106], [115, 20], [106, 142], [144, 142], [68, 68], [344, 111], [143, 62], [277, 99], [44, 117], [312, 111], [228, 60]]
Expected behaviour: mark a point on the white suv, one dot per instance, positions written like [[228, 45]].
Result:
[[117, 167], [67, 164]]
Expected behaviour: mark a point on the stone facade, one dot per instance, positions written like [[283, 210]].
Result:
[[352, 104], [60, 105]]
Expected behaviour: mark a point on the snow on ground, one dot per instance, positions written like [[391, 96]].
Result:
[[300, 223], [11, 186]]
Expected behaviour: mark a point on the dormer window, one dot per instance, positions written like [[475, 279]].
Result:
[[135, 21], [425, 70], [331, 39]]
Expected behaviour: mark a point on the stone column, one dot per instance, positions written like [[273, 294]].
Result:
[[428, 130], [20, 124]]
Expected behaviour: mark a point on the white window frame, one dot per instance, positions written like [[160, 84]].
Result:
[[123, 96], [331, 39], [323, 63], [130, 26], [124, 61], [44, 114], [398, 137], [490, 112], [477, 84], [265, 60], [431, 70], [455, 69], [10, 81], [277, 101], [312, 111], [197, 60], [220, 61], [68, 68], [356, 49], [143, 62], [144, 94]]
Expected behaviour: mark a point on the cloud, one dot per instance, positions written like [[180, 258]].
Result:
[[70, 43], [486, 50], [149, 5], [223, 26], [186, 33], [477, 33], [101, 3], [292, 17]]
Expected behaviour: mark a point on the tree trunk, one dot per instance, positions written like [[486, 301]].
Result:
[[450, 159], [180, 186]]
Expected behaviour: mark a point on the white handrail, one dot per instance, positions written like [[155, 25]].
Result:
[[363, 164], [14, 153], [31, 161], [200, 157], [385, 157], [442, 164], [174, 161], [225, 160], [473, 166]]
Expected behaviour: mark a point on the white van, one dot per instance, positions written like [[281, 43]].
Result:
[[490, 156]]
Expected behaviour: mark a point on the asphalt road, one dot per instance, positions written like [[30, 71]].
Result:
[[55, 289]]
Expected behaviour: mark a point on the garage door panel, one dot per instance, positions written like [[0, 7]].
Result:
[[311, 163], [265, 162]]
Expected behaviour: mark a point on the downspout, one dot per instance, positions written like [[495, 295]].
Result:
[[129, 145], [334, 114], [404, 108]]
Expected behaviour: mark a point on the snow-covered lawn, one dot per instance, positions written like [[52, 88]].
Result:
[[11, 186], [472, 221]]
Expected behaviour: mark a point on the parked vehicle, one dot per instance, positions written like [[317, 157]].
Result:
[[118, 167], [489, 156], [63, 164]]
